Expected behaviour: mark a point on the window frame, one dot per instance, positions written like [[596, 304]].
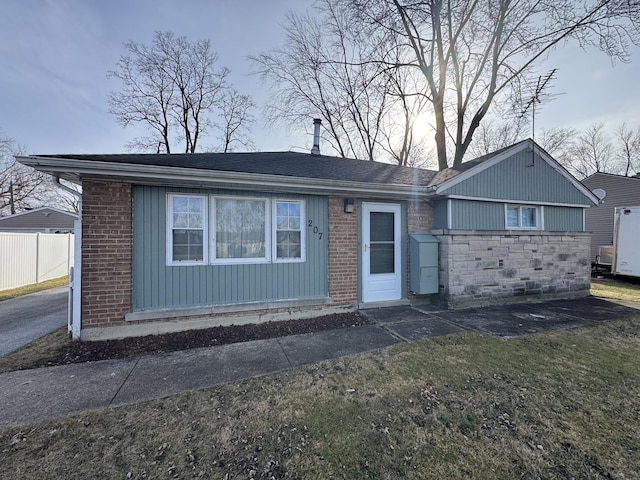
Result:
[[209, 230], [274, 231], [169, 231], [214, 260], [539, 212]]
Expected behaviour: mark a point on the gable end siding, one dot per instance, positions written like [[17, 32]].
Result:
[[519, 179], [156, 285]]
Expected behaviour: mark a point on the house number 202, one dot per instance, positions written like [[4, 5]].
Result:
[[316, 230]]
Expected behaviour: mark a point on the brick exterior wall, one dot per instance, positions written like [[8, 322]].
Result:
[[106, 253], [343, 253], [419, 220], [419, 216], [482, 268]]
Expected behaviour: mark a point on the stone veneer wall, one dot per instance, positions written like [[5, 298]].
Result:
[[480, 268], [106, 253]]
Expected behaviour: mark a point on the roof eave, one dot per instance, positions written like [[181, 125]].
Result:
[[74, 170]]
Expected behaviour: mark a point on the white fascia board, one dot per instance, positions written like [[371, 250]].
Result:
[[517, 202], [508, 153], [163, 175]]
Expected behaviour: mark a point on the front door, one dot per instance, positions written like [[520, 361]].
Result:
[[381, 252]]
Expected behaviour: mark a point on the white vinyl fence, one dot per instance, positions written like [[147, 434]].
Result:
[[27, 258]]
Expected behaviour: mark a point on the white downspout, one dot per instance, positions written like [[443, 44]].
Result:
[[75, 277]]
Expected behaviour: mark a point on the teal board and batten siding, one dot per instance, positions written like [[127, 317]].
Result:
[[471, 215], [521, 178], [563, 219], [157, 285], [517, 179], [480, 215], [439, 214]]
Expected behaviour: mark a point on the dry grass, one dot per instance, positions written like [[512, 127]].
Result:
[[558, 405], [616, 289], [555, 405], [33, 288], [36, 352]]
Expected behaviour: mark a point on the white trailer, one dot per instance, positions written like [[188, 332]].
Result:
[[626, 242]]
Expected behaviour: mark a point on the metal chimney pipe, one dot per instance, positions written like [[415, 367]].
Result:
[[316, 136]]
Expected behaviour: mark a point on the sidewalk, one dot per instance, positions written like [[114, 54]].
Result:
[[32, 395]]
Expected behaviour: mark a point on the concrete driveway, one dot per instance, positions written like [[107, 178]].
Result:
[[27, 318]]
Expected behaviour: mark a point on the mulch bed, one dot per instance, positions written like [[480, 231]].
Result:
[[78, 352]]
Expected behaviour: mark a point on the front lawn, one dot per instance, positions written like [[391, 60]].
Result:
[[564, 404]]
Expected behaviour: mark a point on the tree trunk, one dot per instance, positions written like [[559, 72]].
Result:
[[440, 137]]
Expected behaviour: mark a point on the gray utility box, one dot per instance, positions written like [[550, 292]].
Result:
[[423, 253]]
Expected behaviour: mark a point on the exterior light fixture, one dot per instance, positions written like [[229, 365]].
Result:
[[349, 205]]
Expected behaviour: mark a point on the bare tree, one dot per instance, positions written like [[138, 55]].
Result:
[[628, 148], [592, 152], [492, 136], [476, 53], [329, 68], [235, 117], [172, 86], [21, 187]]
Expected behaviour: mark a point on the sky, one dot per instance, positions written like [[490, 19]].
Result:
[[55, 55]]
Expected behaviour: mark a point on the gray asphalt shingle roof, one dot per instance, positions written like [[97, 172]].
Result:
[[290, 164]]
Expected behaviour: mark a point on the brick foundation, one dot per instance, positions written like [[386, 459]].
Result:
[[343, 253], [106, 253], [482, 268]]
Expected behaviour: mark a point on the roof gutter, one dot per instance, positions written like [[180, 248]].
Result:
[[56, 179], [155, 174]]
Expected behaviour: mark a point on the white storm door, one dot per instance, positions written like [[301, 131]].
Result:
[[381, 252]]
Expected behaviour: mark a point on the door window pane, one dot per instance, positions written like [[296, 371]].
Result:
[[381, 227], [240, 228], [381, 259], [381, 239]]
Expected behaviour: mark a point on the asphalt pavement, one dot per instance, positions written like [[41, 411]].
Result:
[[27, 318], [32, 395]]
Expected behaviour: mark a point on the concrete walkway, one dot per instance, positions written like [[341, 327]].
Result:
[[32, 395]]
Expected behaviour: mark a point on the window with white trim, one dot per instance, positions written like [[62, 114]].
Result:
[[239, 230], [288, 232], [523, 217], [186, 232]]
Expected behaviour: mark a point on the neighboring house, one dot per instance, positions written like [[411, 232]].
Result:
[[43, 220], [171, 242], [621, 192]]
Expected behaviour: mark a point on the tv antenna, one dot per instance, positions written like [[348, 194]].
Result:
[[538, 97]]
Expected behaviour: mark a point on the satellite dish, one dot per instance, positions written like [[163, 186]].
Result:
[[600, 193]]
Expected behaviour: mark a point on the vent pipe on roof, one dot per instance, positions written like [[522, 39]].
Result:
[[316, 136]]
